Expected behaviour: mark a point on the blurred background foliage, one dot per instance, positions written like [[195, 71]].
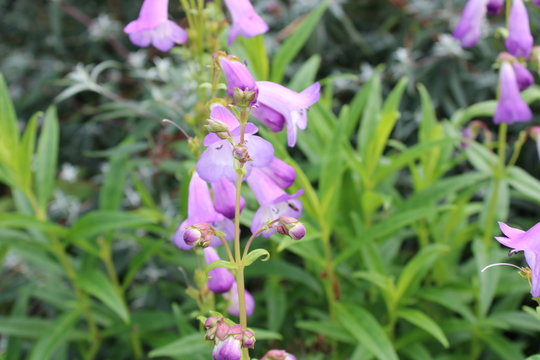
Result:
[[396, 218]]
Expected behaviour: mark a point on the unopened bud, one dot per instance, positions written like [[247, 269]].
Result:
[[292, 227], [192, 236], [278, 355], [244, 98], [248, 339], [216, 126], [240, 153], [216, 327], [200, 234]]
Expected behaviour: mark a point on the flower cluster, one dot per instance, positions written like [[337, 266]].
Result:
[[153, 26], [513, 76], [228, 339]]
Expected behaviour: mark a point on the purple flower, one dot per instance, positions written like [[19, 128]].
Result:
[[494, 6], [536, 2], [218, 160], [245, 20], [523, 76], [469, 27], [529, 242], [201, 210], [238, 76], [511, 107], [280, 172], [278, 355], [225, 197], [229, 349], [234, 307], [273, 200], [278, 105], [153, 27], [220, 279], [519, 41]]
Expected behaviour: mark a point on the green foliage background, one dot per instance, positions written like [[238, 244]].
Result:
[[400, 215]]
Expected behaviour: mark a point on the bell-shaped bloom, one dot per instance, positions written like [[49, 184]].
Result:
[[468, 30], [234, 306], [220, 280], [245, 21], [201, 210], [280, 172], [238, 76], [523, 76], [225, 197], [278, 355], [519, 41], [511, 107], [218, 160], [529, 242], [494, 6], [277, 105], [154, 27], [228, 349], [274, 202]]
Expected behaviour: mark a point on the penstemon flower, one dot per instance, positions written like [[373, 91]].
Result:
[[528, 242], [245, 21], [494, 6], [278, 355], [225, 196], [278, 105], [511, 108], [238, 78], [154, 27], [220, 279], [201, 210], [523, 76], [280, 172], [519, 41], [468, 30], [234, 306]]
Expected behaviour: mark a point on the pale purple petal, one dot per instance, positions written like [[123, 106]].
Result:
[[234, 307], [280, 172], [285, 205], [153, 13], [519, 41], [142, 39], [215, 161], [510, 231], [225, 197], [260, 150], [523, 76], [269, 117], [468, 29], [533, 260], [220, 280], [266, 191], [511, 108], [229, 349], [245, 20], [237, 76], [494, 6]]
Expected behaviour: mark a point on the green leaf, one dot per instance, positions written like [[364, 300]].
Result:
[[47, 157], [97, 284], [423, 321], [305, 76], [9, 135], [287, 271], [220, 263], [329, 329], [255, 254], [32, 328], [366, 330], [506, 349], [112, 192], [183, 348], [371, 116], [288, 50], [99, 222], [255, 51], [524, 183], [26, 154], [262, 334], [20, 221], [51, 340], [415, 270]]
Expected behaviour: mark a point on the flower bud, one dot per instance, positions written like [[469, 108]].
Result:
[[200, 234], [229, 349], [245, 98], [278, 355], [216, 328], [291, 227], [240, 83], [192, 236], [248, 339], [240, 153], [216, 126]]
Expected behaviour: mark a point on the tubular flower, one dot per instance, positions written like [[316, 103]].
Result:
[[228, 349], [528, 242], [245, 20], [523, 76], [218, 158], [278, 105], [494, 6], [273, 200], [280, 172], [220, 279], [234, 306], [511, 108], [519, 41], [468, 29], [201, 210], [153, 27], [238, 77], [278, 355], [225, 197]]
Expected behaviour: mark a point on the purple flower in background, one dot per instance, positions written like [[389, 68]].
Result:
[[153, 27], [220, 280], [280, 172], [278, 355], [245, 20], [273, 200], [494, 6], [469, 27], [536, 2], [519, 41], [238, 76], [201, 210], [234, 307], [225, 197], [228, 349], [218, 160], [523, 76], [277, 105], [511, 108], [529, 242]]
